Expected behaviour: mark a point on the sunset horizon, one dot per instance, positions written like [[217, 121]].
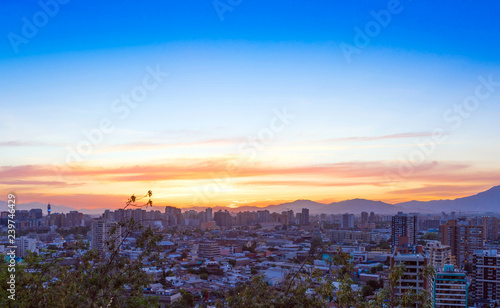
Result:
[[114, 202]]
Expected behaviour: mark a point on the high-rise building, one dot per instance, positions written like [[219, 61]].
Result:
[[463, 240], [246, 218], [490, 227], [35, 214], [291, 216], [108, 215], [364, 220], [298, 218], [208, 249], [208, 211], [439, 255], [371, 219], [403, 226], [223, 219], [24, 245], [106, 235], [263, 216], [283, 218], [412, 278], [139, 216], [173, 216], [74, 219], [304, 219], [57, 219], [449, 288], [48, 209], [347, 221], [486, 276]]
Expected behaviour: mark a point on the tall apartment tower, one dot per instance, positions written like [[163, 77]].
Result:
[[412, 277], [439, 255], [463, 240], [74, 219], [372, 217], [449, 288], [347, 221], [208, 211], [283, 218], [24, 245], [486, 276], [403, 226], [364, 219], [173, 216], [105, 233], [263, 216], [490, 227], [223, 219], [304, 219]]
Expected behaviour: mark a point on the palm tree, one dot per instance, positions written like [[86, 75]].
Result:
[[395, 275]]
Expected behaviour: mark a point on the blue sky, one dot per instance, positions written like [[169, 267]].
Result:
[[227, 76]]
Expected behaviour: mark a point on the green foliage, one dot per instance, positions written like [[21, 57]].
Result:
[[91, 281], [305, 288], [384, 245], [377, 268], [186, 301], [52, 247], [250, 248], [169, 274], [430, 236], [74, 230], [258, 293], [375, 285], [367, 290]]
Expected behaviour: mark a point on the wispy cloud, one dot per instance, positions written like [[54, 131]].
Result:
[[17, 143], [38, 183], [326, 174], [310, 183], [443, 191], [383, 137]]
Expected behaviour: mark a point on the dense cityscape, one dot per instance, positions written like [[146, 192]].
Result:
[[208, 254]]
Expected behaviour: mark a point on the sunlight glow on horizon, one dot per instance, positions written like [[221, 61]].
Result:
[[233, 113]]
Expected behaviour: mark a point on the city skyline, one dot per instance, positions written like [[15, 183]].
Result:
[[208, 108]]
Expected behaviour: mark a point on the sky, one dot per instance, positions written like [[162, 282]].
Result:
[[237, 102]]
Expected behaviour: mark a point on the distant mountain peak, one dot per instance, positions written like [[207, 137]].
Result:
[[486, 201]]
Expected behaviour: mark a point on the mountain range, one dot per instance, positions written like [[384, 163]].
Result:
[[487, 201]]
